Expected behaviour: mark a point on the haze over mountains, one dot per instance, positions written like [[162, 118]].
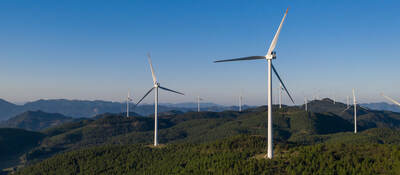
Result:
[[86, 108], [382, 106]]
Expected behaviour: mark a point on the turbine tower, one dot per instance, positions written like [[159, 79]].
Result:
[[305, 103], [241, 101], [155, 87], [355, 112], [390, 99], [334, 99], [128, 100], [355, 109], [280, 95], [271, 54], [198, 103]]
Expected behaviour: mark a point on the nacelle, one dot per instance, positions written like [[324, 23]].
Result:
[[273, 54]]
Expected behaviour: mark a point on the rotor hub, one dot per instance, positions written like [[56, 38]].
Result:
[[271, 56]]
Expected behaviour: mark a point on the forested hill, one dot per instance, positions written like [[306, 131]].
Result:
[[366, 118], [237, 155], [292, 127], [14, 143]]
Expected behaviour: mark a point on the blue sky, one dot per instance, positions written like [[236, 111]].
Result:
[[97, 49]]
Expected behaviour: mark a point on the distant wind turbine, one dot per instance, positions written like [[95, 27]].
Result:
[[355, 111], [390, 99], [271, 54], [240, 101], [155, 87], [198, 103], [128, 100]]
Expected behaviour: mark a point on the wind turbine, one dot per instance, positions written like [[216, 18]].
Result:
[[355, 111], [390, 99], [271, 54], [128, 100], [198, 103], [155, 87]]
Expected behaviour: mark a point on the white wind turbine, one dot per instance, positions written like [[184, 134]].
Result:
[[390, 99], [128, 100], [155, 87], [271, 54], [198, 103], [355, 111]]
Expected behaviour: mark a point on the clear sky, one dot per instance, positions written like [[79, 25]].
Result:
[[97, 49]]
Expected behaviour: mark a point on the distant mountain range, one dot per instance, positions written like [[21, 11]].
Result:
[[382, 106], [86, 108]]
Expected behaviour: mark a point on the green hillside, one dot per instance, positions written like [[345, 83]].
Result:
[[290, 124], [237, 155], [293, 127], [366, 118], [189, 127], [14, 143]]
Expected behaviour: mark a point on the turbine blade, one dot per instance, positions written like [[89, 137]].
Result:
[[152, 70], [390, 99], [170, 90], [346, 109], [144, 96], [275, 40], [242, 59], [283, 84]]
